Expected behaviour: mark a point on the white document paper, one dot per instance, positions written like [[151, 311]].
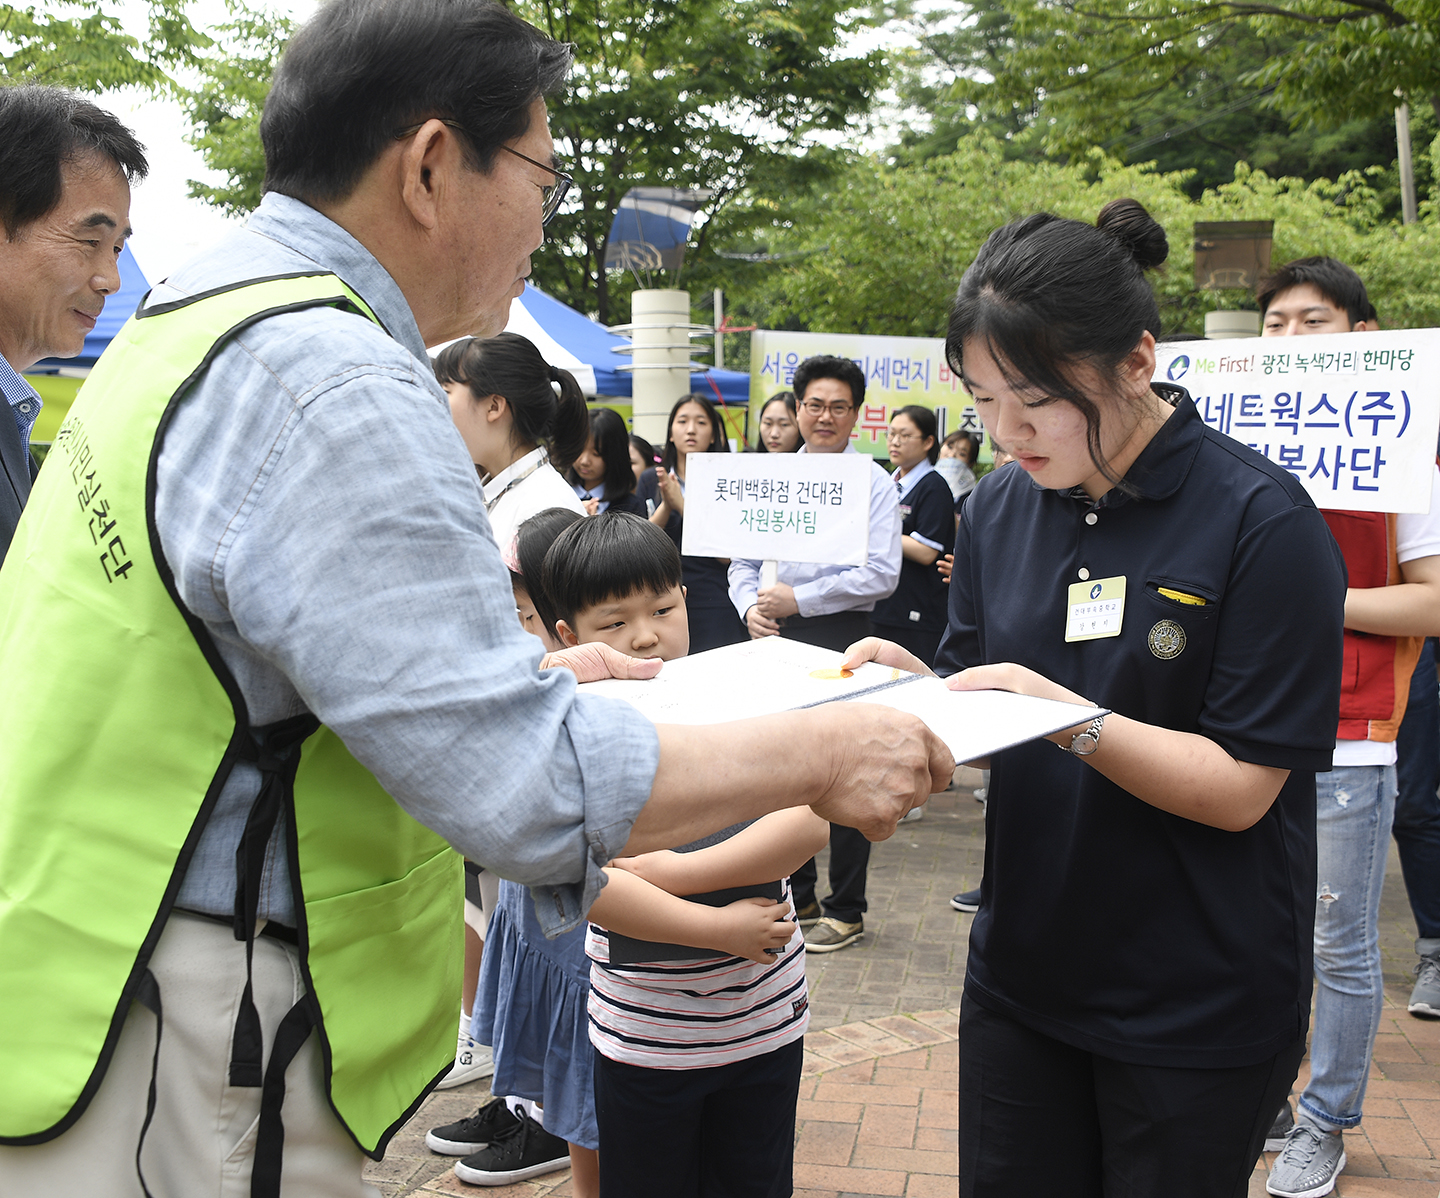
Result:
[[773, 675]]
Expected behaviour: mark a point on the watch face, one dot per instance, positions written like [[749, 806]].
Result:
[[1084, 744]]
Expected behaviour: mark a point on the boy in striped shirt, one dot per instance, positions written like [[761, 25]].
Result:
[[698, 1003]]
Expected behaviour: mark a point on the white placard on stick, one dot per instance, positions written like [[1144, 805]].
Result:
[[792, 507], [1353, 416]]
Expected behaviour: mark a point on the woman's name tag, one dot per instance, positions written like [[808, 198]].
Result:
[[1096, 609]]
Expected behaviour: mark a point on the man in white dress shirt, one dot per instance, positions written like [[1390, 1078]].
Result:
[[828, 606]]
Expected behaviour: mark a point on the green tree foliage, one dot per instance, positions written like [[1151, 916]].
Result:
[[75, 44], [898, 238], [225, 109], [719, 94], [688, 93], [1193, 91], [1324, 61]]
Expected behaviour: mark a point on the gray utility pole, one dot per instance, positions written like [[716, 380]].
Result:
[[1407, 166], [719, 336]]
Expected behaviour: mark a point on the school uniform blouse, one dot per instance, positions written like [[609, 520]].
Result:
[[628, 502], [524, 489], [1105, 922], [927, 513]]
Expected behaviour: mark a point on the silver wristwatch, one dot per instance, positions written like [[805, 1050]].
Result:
[[1082, 744]]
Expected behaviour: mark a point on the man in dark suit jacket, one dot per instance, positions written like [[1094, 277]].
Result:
[[65, 172]]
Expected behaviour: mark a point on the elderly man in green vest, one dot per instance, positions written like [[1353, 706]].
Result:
[[271, 670]]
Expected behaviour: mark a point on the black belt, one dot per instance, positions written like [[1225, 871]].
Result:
[[276, 931]]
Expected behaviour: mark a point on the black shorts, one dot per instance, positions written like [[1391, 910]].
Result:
[[723, 1132]]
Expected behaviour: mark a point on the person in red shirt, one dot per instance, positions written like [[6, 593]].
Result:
[[1391, 605]]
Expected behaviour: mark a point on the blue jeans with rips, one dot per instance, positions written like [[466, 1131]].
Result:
[[1354, 809]]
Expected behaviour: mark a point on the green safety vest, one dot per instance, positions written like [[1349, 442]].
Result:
[[121, 725]]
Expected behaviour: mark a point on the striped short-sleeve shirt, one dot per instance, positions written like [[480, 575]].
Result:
[[695, 1014]]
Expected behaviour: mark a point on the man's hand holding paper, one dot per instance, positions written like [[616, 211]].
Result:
[[888, 762]]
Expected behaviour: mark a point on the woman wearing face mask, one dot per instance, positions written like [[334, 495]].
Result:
[[1138, 986], [694, 427], [913, 615]]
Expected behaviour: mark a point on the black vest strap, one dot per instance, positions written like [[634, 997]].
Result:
[[147, 994], [274, 749], [291, 1035]]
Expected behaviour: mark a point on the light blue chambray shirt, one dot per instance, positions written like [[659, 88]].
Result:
[[324, 520], [823, 590], [22, 400]]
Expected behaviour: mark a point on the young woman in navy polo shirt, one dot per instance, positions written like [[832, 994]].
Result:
[[914, 614], [1138, 986]]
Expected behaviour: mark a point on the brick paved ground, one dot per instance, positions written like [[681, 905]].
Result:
[[878, 1111], [879, 1117], [1395, 1152]]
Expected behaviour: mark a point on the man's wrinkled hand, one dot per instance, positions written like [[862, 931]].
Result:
[[883, 762], [592, 662]]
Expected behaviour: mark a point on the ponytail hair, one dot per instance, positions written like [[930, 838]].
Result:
[[510, 366], [1047, 295]]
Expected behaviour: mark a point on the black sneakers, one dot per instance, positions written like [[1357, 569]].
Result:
[[474, 1133], [523, 1150], [967, 900]]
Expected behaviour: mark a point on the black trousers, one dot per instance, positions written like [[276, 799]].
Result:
[[849, 850], [1040, 1117], [724, 1132]]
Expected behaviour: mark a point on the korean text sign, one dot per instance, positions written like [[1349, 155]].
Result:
[[898, 371], [793, 507], [1353, 416]]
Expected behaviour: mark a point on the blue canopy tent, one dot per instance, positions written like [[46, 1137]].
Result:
[[545, 319], [564, 336]]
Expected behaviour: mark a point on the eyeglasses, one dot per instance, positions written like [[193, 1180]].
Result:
[[813, 407], [551, 197], [892, 435]]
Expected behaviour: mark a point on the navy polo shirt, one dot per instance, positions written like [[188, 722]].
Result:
[[1107, 923], [927, 508]]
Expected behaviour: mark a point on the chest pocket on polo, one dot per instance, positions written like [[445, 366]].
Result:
[[1179, 620]]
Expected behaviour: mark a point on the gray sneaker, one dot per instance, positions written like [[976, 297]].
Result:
[[1308, 1166], [1279, 1130], [1425, 997]]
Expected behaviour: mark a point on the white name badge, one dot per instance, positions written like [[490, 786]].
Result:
[[1097, 609]]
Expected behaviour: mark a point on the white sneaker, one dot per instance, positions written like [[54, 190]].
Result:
[[473, 1060]]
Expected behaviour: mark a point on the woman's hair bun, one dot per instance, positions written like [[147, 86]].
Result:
[[1134, 228]]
